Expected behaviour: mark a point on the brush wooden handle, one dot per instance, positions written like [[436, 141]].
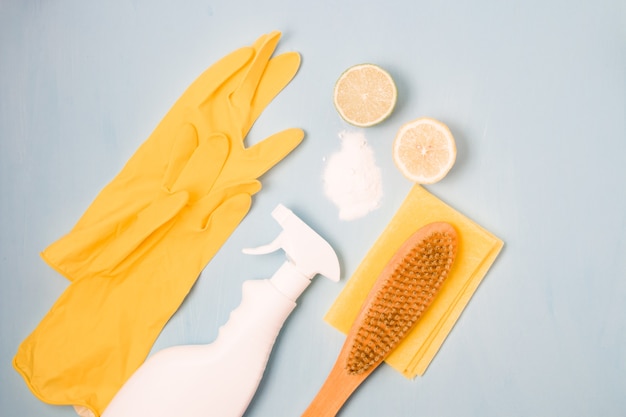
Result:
[[336, 389]]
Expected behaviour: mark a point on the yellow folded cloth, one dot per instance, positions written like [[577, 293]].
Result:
[[477, 251]]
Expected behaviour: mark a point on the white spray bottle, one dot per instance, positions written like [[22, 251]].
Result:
[[220, 379]]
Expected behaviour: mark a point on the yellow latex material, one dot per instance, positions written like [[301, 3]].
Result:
[[477, 251], [137, 251], [196, 155]]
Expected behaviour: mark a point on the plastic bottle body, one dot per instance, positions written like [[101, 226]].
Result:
[[221, 378], [217, 379]]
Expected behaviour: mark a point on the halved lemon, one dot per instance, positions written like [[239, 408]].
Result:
[[365, 95], [424, 150]]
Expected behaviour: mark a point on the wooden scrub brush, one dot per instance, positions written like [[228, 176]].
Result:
[[404, 290]]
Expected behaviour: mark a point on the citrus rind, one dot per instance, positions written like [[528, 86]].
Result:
[[424, 150], [365, 95]]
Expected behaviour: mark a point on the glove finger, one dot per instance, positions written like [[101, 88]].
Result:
[[190, 137], [146, 222], [184, 145], [203, 167], [279, 72], [97, 249], [242, 96], [254, 161], [208, 84], [203, 209], [190, 223], [223, 220], [213, 77], [258, 43], [69, 254]]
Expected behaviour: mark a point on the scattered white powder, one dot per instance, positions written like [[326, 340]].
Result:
[[352, 180]]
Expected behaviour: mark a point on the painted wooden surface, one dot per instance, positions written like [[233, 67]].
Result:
[[534, 92]]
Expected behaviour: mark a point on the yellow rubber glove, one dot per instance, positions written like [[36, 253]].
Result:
[[130, 275], [225, 100]]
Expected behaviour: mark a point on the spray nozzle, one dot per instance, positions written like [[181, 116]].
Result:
[[309, 253]]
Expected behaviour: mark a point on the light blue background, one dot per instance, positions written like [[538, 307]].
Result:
[[534, 92]]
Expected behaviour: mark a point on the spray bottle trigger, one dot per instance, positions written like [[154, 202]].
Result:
[[273, 246], [306, 251]]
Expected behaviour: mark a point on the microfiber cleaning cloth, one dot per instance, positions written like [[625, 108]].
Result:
[[477, 251]]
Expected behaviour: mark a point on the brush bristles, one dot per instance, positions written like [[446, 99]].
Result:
[[402, 300]]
